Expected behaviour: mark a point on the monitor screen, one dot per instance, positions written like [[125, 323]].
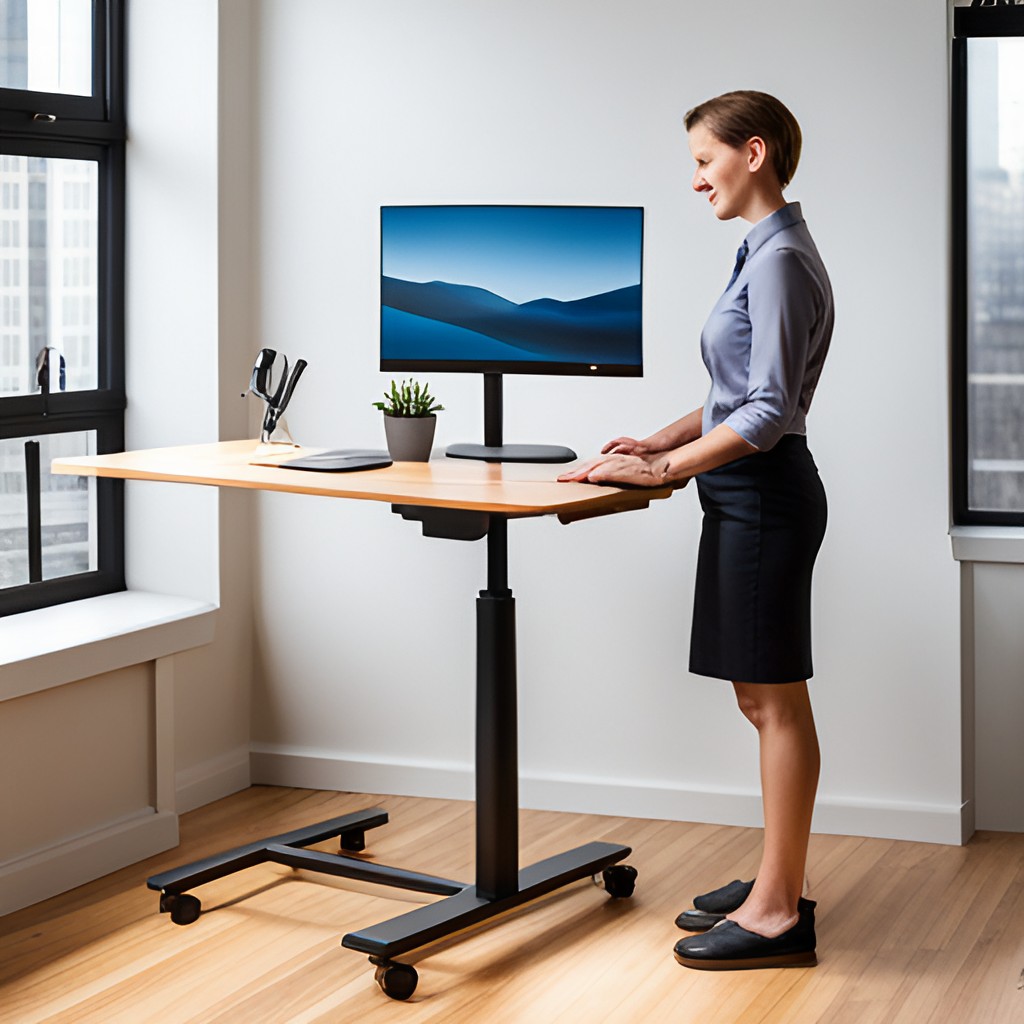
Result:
[[512, 289]]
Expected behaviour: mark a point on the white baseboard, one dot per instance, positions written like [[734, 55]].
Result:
[[919, 823], [212, 780], [303, 769], [283, 766], [75, 861]]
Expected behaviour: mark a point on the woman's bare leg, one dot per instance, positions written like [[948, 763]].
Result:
[[790, 761]]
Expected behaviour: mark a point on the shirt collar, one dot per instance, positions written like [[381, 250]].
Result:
[[785, 217]]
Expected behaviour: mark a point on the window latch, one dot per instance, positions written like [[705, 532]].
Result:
[[50, 373]]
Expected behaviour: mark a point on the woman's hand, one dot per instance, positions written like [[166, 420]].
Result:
[[626, 446], [614, 469], [683, 431]]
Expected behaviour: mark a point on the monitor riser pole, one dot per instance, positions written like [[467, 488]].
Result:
[[494, 410], [494, 448]]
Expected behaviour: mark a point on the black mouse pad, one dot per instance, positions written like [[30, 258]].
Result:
[[341, 461]]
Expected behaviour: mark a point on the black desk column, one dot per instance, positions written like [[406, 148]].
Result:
[[497, 767]]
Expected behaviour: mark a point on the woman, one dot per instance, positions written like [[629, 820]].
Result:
[[764, 511]]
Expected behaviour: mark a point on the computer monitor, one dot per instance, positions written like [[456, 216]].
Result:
[[511, 289]]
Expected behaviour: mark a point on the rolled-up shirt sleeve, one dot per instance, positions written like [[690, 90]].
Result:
[[784, 303]]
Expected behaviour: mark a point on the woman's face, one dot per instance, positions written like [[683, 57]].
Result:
[[725, 174]]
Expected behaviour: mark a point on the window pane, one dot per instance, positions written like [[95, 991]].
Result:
[[48, 270], [46, 46], [67, 505], [995, 287]]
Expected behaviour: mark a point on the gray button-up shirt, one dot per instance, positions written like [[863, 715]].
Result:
[[765, 341]]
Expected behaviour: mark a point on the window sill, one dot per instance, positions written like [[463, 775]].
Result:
[[987, 543], [53, 646]]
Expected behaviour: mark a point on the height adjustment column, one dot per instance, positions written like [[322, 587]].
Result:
[[497, 734]]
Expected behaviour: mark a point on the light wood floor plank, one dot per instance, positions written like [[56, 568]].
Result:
[[909, 933]]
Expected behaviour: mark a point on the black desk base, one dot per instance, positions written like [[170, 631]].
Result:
[[500, 885]]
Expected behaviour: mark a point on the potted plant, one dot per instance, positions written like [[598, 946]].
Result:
[[409, 420]]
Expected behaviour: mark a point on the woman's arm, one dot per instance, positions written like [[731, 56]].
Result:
[[786, 305], [676, 466], [675, 434], [714, 449]]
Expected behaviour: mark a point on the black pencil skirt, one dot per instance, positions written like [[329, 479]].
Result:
[[764, 520]]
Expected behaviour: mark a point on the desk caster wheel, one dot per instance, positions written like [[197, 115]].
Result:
[[397, 981], [184, 909], [354, 841], [619, 880]]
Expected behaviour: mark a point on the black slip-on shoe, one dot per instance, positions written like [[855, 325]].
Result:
[[697, 920], [711, 907], [728, 947], [726, 899], [700, 921]]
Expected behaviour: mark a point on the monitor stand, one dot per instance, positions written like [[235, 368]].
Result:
[[493, 450]]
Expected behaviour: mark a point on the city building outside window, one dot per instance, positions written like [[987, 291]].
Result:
[[988, 264], [62, 135]]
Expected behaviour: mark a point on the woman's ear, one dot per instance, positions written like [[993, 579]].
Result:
[[757, 153]]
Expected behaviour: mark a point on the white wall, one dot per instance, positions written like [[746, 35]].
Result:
[[190, 349], [365, 653]]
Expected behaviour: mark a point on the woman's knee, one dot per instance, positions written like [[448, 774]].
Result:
[[751, 706], [763, 704]]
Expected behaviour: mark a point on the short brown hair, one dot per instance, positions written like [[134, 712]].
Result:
[[736, 117]]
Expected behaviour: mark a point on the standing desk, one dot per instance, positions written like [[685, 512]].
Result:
[[453, 499]]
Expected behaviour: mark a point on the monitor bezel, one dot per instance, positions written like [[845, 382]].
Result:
[[513, 365]]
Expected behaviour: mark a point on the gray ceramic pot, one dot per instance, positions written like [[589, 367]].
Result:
[[409, 437]]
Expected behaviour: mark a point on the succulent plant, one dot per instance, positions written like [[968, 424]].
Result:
[[409, 399]]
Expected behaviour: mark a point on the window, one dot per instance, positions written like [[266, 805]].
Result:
[[59, 51], [988, 265], [67, 543], [10, 310], [62, 135]]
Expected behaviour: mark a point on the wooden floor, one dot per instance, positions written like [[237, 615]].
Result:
[[907, 932]]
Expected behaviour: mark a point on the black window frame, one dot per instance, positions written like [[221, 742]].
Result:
[[968, 23], [88, 128]]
